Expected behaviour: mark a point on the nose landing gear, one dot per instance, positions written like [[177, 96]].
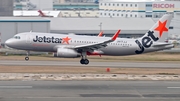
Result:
[[27, 56]]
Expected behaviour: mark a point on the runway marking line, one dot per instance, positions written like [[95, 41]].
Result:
[[15, 87], [173, 87]]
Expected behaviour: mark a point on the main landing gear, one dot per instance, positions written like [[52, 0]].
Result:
[[27, 56], [84, 59]]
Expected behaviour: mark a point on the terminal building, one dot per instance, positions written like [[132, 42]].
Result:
[[75, 1], [66, 8], [56, 5], [135, 8]]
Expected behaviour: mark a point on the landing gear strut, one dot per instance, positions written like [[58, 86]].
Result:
[[27, 56], [84, 59]]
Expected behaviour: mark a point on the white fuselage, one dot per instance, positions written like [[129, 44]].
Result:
[[46, 42]]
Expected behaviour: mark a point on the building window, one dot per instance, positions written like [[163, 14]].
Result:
[[117, 4], [135, 5], [121, 14], [126, 15], [148, 5], [117, 14], [113, 14], [131, 15], [104, 4], [113, 4], [109, 14], [109, 4], [131, 5], [121, 4], [135, 15], [101, 4], [148, 15], [126, 5], [104, 13]]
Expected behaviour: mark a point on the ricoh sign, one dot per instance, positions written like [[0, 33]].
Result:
[[163, 5]]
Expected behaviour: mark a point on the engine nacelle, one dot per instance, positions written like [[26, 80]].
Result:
[[66, 53]]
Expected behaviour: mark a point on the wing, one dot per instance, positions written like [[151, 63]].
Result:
[[98, 45], [161, 44]]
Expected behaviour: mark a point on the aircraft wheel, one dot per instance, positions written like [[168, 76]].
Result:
[[82, 61], [86, 61], [26, 58]]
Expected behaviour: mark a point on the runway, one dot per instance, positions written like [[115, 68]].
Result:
[[89, 90], [129, 64]]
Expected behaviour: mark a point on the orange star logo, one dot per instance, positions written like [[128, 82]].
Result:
[[66, 40], [161, 27]]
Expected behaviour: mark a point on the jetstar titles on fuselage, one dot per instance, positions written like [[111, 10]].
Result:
[[47, 39]]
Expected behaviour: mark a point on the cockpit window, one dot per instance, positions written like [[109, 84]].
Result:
[[17, 37]]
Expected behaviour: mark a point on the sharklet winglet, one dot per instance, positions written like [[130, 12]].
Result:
[[116, 35], [100, 34]]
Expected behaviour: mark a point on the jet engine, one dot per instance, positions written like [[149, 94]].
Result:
[[66, 53]]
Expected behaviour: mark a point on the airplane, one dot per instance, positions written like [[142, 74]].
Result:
[[43, 14], [73, 46]]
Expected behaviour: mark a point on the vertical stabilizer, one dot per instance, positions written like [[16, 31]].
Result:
[[41, 13], [159, 31]]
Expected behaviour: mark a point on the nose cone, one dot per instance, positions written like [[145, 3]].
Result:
[[9, 43]]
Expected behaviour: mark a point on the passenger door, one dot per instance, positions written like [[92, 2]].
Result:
[[28, 39]]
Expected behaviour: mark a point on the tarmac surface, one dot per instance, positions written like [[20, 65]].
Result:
[[93, 64], [89, 90]]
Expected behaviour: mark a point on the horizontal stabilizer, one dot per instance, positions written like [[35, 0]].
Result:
[[160, 44]]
